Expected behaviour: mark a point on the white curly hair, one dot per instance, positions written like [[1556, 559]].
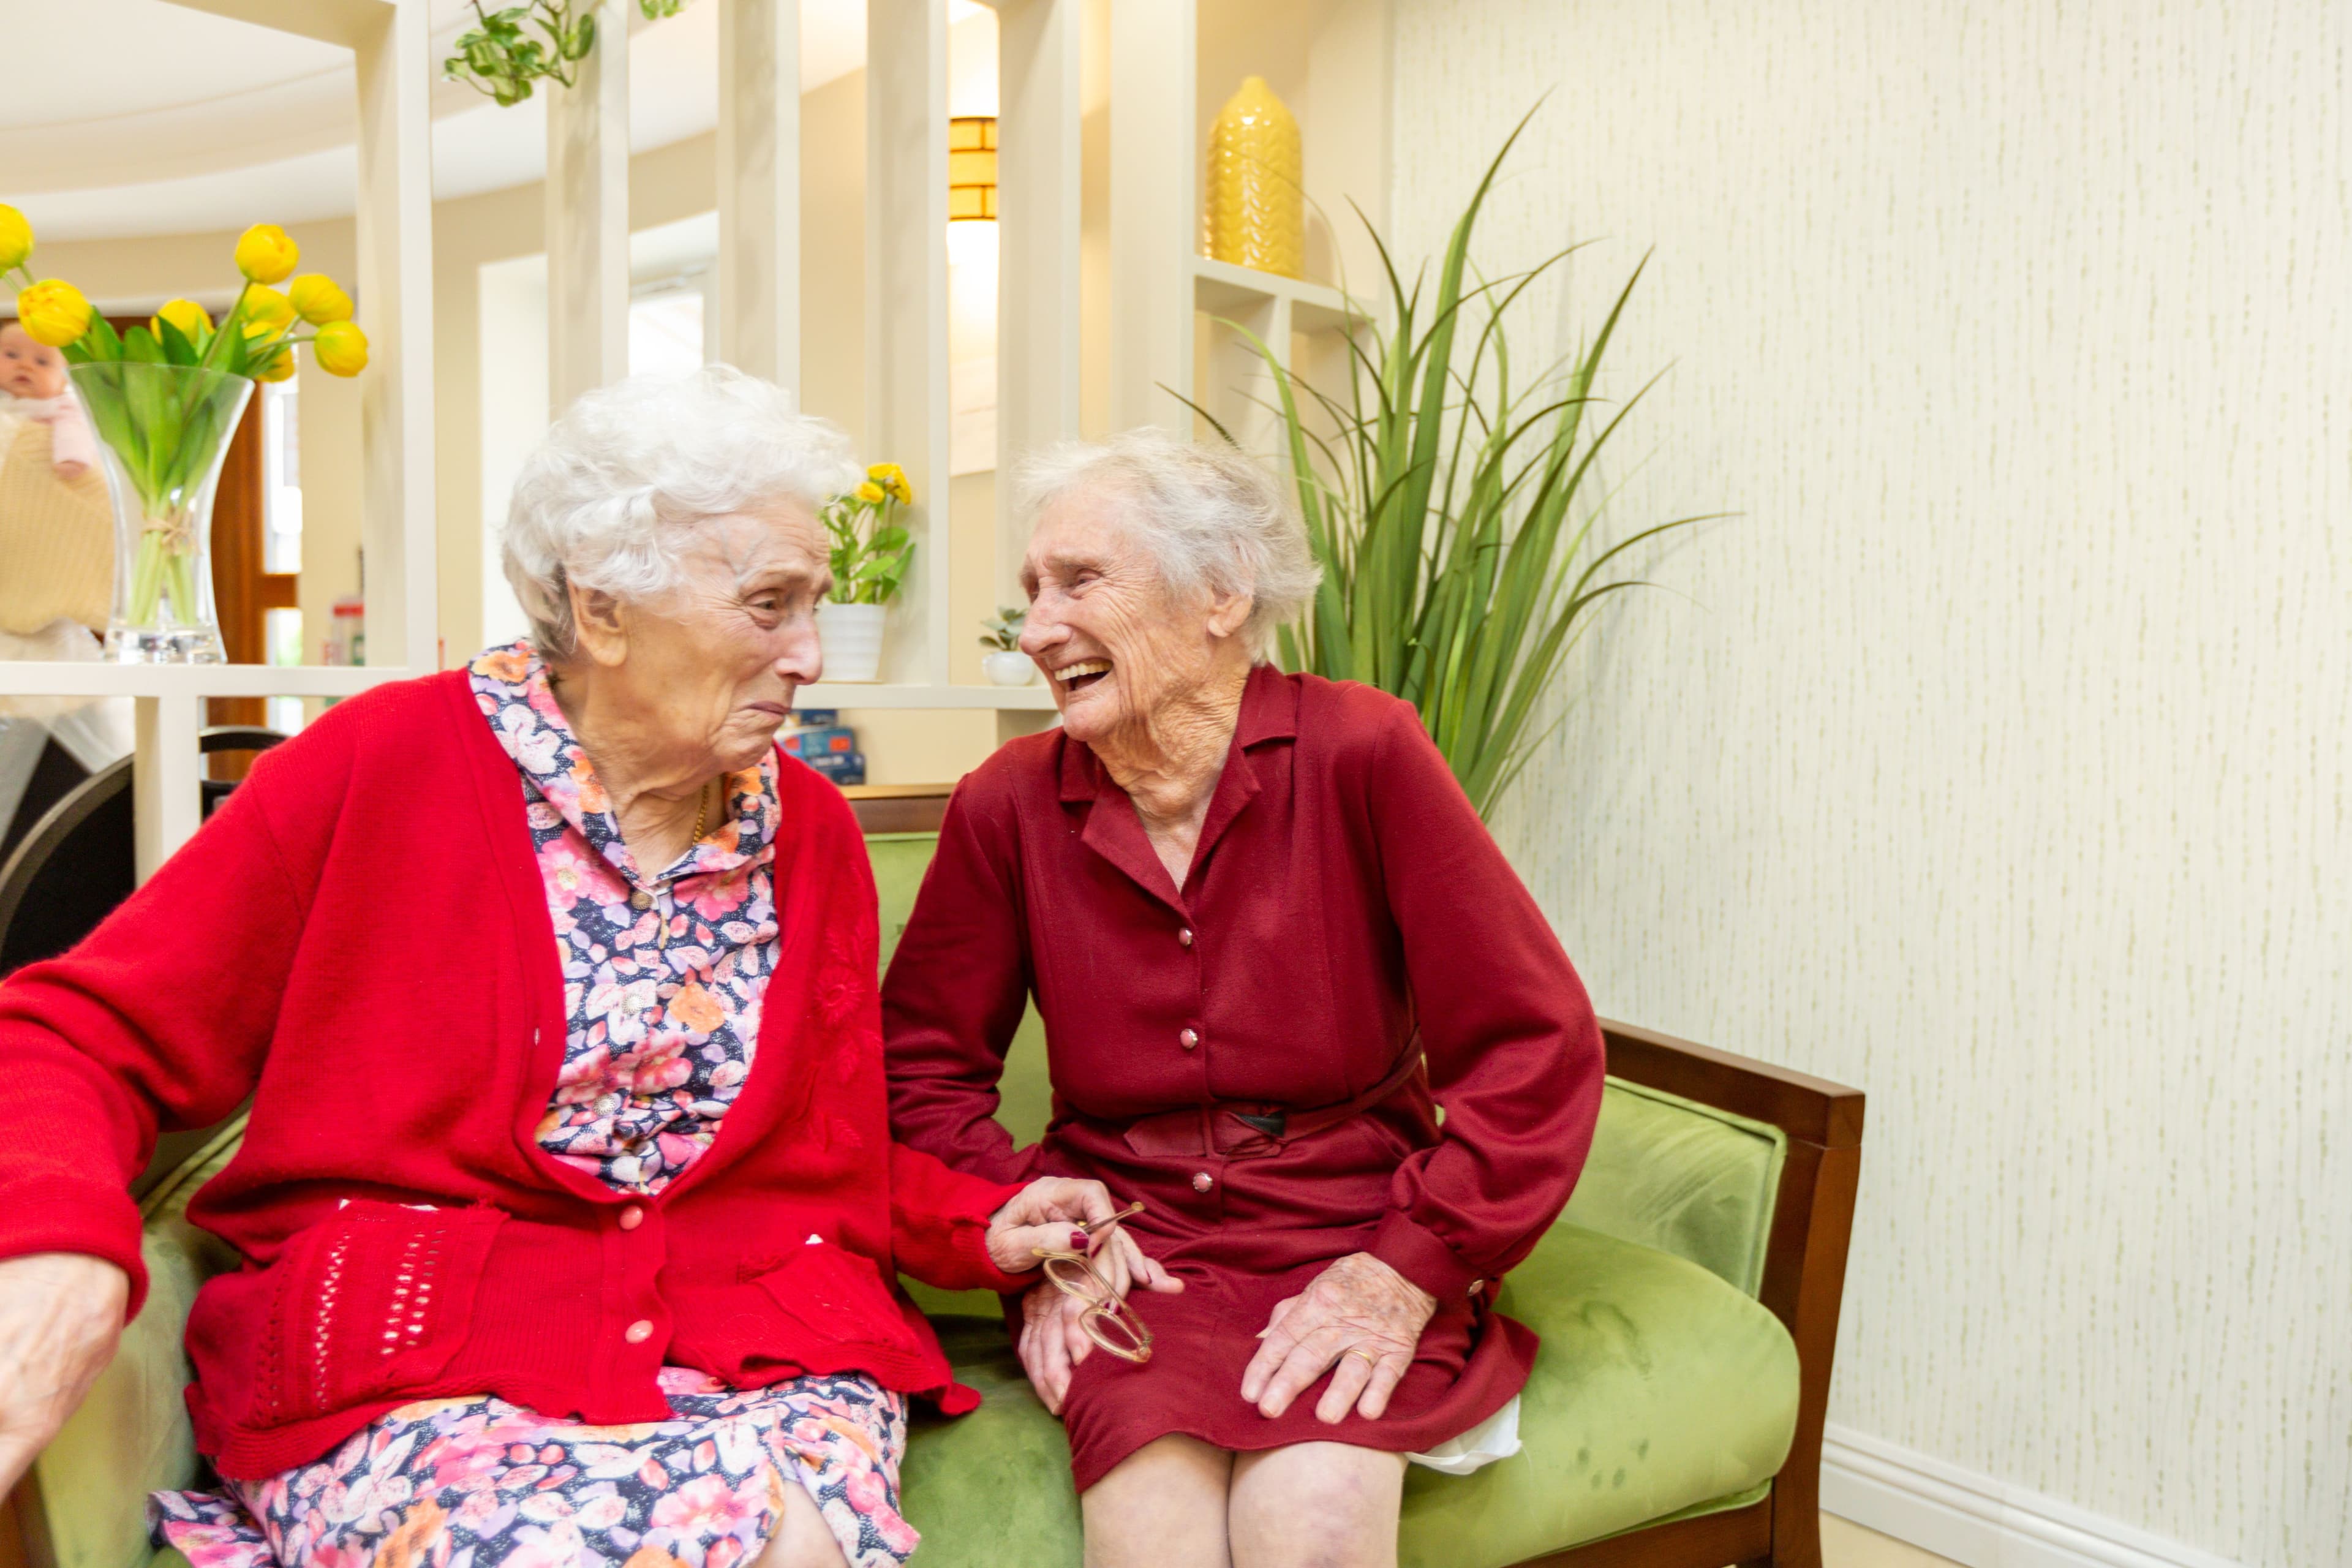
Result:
[[1212, 516], [627, 477]]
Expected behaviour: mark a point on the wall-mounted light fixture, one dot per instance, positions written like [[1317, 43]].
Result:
[[972, 168]]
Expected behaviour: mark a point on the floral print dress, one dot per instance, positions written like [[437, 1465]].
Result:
[[663, 978]]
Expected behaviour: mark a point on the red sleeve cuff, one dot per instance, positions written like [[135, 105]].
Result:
[[973, 1239], [1418, 1255], [75, 1219]]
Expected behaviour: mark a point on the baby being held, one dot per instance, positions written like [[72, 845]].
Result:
[[33, 387]]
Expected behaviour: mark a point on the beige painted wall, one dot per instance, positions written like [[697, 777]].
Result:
[[1994, 758]]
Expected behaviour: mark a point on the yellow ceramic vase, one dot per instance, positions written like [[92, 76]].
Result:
[[1256, 205]]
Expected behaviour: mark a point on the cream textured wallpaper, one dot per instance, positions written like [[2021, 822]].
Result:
[[1995, 759]]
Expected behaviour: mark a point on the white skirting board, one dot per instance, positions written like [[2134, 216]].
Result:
[[1973, 1519]]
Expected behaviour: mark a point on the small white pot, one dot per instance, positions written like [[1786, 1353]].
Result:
[[1008, 667], [851, 636]]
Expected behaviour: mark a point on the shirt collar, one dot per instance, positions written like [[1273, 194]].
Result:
[[513, 686], [1269, 713]]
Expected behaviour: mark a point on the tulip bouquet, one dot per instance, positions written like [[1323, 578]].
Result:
[[164, 399]]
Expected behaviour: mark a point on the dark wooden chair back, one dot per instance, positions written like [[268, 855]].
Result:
[[75, 863]]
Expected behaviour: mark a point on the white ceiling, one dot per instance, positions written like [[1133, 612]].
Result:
[[196, 122]]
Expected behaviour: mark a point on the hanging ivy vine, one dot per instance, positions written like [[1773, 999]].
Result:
[[516, 47]]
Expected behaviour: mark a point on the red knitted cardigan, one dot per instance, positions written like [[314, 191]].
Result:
[[360, 940]]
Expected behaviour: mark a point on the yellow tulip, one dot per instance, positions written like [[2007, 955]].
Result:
[[267, 313], [278, 366], [266, 254], [318, 299], [195, 324], [53, 312], [870, 493], [893, 480], [342, 348], [16, 239]]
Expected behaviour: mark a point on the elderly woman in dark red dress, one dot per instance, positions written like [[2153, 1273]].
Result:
[[1269, 938]]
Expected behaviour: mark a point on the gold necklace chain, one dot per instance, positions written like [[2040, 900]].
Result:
[[701, 815]]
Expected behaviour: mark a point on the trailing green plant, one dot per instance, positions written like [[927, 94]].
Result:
[[1452, 510], [870, 552], [500, 57], [1003, 629]]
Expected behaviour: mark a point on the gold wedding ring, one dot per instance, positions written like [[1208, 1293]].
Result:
[[1369, 1358]]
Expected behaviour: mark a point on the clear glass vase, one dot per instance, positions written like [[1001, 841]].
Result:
[[164, 430]]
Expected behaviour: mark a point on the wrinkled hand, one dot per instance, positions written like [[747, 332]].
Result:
[[60, 1314], [1041, 1215], [1052, 1343], [1359, 1313]]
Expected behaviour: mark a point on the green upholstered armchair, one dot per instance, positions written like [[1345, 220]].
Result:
[[1687, 1302]]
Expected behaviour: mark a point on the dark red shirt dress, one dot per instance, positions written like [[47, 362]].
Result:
[[1343, 897]]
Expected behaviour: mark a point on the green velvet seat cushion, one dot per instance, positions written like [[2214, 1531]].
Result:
[[1659, 1389]]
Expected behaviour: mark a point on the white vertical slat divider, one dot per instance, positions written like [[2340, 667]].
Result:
[[1154, 211], [588, 222], [758, 326], [907, 304], [165, 780], [1039, 189], [394, 228]]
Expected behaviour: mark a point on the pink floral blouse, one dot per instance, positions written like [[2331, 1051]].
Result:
[[663, 978], [663, 973]]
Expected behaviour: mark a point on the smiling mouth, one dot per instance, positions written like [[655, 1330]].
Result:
[[1077, 677]]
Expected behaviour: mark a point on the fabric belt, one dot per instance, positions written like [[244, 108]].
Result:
[[1238, 1129]]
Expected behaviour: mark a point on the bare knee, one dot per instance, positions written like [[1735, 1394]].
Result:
[[1316, 1505], [1162, 1506], [803, 1538]]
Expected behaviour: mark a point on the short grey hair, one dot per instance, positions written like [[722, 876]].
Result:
[[625, 478], [1212, 517]]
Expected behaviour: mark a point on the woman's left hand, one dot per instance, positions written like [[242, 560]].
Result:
[[1360, 1313], [1041, 1213]]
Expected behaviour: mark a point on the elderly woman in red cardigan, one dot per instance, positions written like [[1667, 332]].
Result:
[[570, 1214], [1270, 939]]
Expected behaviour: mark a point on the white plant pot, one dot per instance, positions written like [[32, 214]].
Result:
[[851, 636], [1008, 667]]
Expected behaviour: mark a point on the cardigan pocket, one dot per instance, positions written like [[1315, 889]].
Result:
[[838, 1298], [374, 1298]]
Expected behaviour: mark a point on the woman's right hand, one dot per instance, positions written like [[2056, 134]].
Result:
[[60, 1315]]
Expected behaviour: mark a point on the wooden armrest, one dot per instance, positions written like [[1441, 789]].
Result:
[[1805, 1107]]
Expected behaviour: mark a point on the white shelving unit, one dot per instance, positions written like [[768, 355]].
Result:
[[1165, 296]]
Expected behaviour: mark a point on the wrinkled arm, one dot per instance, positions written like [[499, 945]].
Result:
[[955, 995], [1515, 1052]]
